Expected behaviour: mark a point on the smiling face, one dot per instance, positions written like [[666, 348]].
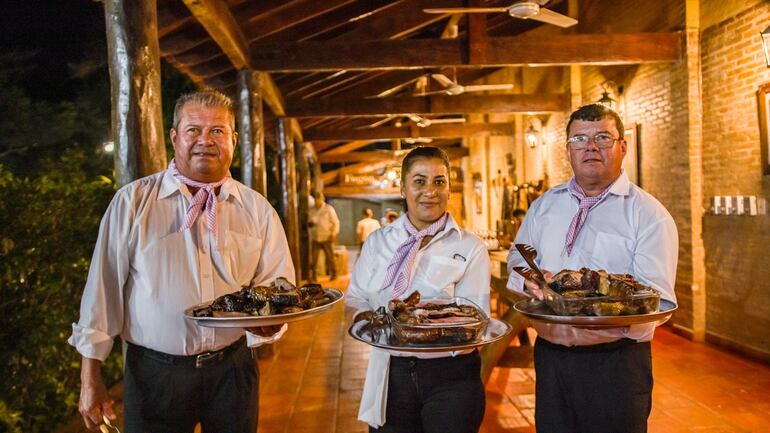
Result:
[[204, 141], [426, 191], [596, 168]]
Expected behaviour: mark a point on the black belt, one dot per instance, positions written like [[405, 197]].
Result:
[[592, 348], [201, 360]]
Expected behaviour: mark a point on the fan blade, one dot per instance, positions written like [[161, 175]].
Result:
[[555, 18], [437, 92], [448, 120], [443, 80], [485, 87], [463, 10], [378, 123]]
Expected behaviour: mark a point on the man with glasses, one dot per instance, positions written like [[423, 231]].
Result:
[[596, 380]]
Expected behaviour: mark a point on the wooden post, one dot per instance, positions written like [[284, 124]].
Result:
[[134, 61], [251, 131], [303, 192], [288, 189]]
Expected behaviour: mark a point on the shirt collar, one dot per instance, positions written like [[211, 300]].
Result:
[[170, 185], [451, 224], [621, 186]]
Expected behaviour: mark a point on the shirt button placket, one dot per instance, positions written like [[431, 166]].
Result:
[[206, 275]]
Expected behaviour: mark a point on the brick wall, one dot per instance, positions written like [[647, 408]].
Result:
[[738, 275]]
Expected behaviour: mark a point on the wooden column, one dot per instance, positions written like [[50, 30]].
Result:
[[134, 61], [287, 163], [251, 132], [303, 192], [695, 154]]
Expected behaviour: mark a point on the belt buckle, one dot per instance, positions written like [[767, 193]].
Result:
[[203, 359]]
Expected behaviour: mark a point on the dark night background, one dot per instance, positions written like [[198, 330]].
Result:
[[56, 42], [56, 180]]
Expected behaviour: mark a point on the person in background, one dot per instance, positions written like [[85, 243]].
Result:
[[366, 226], [424, 250], [390, 217], [596, 380], [325, 227], [168, 241]]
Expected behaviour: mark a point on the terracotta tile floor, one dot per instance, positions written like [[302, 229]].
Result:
[[313, 383]]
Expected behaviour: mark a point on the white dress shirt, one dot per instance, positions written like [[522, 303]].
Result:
[[365, 227], [145, 272], [453, 263], [629, 232], [325, 223]]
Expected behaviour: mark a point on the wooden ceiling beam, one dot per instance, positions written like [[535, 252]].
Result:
[[448, 130], [332, 176], [439, 104], [385, 155], [348, 147], [218, 21], [215, 17], [584, 49]]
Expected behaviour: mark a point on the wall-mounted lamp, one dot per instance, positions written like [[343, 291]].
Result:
[[532, 134], [766, 44], [606, 99]]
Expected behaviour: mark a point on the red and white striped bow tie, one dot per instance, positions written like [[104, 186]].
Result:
[[205, 198]]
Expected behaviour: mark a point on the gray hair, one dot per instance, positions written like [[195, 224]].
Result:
[[207, 98]]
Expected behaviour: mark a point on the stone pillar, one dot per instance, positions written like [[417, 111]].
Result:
[[134, 62]]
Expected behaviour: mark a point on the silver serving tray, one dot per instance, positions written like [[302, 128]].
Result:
[[539, 312], [382, 338], [252, 321]]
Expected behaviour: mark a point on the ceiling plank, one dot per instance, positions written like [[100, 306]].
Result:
[[448, 130], [439, 104], [585, 49], [383, 155], [291, 15], [399, 21]]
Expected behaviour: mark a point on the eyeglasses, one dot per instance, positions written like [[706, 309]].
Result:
[[603, 140]]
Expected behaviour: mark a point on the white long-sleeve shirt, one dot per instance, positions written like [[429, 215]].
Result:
[[629, 232], [325, 223], [453, 263], [145, 272]]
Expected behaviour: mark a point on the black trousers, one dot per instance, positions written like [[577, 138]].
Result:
[[315, 250], [605, 388], [443, 395], [161, 396]]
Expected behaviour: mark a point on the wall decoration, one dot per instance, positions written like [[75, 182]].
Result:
[[763, 103], [632, 161]]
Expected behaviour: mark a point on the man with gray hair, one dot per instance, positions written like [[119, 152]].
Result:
[[169, 241]]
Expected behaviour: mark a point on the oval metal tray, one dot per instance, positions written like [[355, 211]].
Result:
[[382, 338], [252, 321], [539, 312]]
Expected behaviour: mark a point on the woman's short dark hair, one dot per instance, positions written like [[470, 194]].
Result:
[[594, 113], [422, 152]]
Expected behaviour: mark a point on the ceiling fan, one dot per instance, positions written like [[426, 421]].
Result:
[[424, 122], [531, 10], [452, 87], [420, 121]]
